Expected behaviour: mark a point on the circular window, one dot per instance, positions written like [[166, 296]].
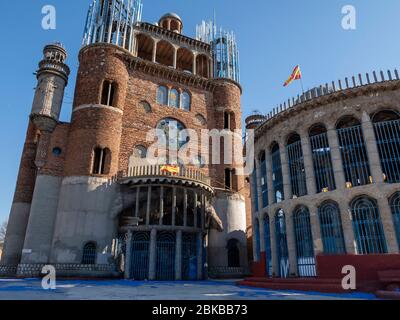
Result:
[[57, 151], [140, 152]]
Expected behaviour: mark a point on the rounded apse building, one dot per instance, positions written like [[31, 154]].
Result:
[[326, 189]]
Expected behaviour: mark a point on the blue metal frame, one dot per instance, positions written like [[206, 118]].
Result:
[[257, 240], [354, 156], [297, 169], [388, 140], [321, 153], [165, 256], [304, 242], [395, 206], [140, 255], [267, 241], [281, 244], [264, 180], [189, 256], [367, 225], [331, 228], [277, 175]]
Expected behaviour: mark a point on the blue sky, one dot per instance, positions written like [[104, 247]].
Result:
[[273, 36]]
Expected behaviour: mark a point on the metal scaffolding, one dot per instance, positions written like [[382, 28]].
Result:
[[112, 21], [224, 50]]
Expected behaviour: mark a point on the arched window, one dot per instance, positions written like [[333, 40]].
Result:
[[228, 178], [174, 98], [267, 241], [165, 53], [257, 240], [387, 133], [277, 176], [331, 228], [304, 242], [227, 120], [353, 152], [89, 254], [296, 166], [186, 101], [321, 153], [162, 95], [395, 206], [202, 66], [108, 93], [233, 253], [144, 47], [254, 189], [185, 60], [101, 161], [281, 244], [165, 268], [264, 178], [367, 225]]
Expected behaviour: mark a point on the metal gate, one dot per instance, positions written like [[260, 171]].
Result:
[[165, 256], [140, 256], [189, 257], [281, 244], [267, 237], [304, 243]]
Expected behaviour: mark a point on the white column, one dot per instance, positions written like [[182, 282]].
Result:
[[154, 50], [175, 57], [194, 63]]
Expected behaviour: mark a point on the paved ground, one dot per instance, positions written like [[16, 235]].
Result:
[[31, 289]]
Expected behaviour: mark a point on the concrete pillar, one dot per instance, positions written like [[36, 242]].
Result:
[[196, 211], [199, 256], [347, 224], [259, 188], [194, 63], [148, 206], [154, 51], [128, 256], [169, 24], [270, 181], [316, 230], [178, 256], [308, 164], [336, 159], [153, 255], [372, 149], [262, 234], [173, 205], [161, 205], [137, 202], [287, 189], [291, 241], [175, 57], [388, 226], [185, 206]]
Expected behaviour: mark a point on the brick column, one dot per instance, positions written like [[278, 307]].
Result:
[[128, 256], [372, 149], [178, 256], [153, 255], [285, 173], [308, 163], [388, 226], [347, 224], [316, 230], [336, 159], [291, 241]]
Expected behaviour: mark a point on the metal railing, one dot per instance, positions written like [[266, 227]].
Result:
[[189, 173]]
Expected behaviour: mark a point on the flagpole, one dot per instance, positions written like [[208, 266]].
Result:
[[302, 86]]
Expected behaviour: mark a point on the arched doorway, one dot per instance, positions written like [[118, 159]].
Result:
[[233, 253], [165, 270], [140, 256]]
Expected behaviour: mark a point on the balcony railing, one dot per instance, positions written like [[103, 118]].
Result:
[[188, 173]]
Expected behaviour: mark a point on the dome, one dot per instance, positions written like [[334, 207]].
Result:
[[171, 15]]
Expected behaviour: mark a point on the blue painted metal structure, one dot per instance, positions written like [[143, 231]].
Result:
[[165, 267], [304, 242], [331, 228], [277, 176], [388, 138], [189, 256], [281, 244], [140, 255], [296, 167], [395, 206], [267, 241], [367, 226], [112, 21]]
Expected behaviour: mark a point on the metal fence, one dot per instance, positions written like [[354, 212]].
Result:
[[297, 169], [304, 243], [367, 225], [321, 153], [395, 206], [267, 239], [354, 156], [331, 228], [140, 255], [189, 256], [388, 140], [165, 256]]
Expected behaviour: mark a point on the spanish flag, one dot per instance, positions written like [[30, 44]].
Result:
[[170, 169], [296, 75]]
